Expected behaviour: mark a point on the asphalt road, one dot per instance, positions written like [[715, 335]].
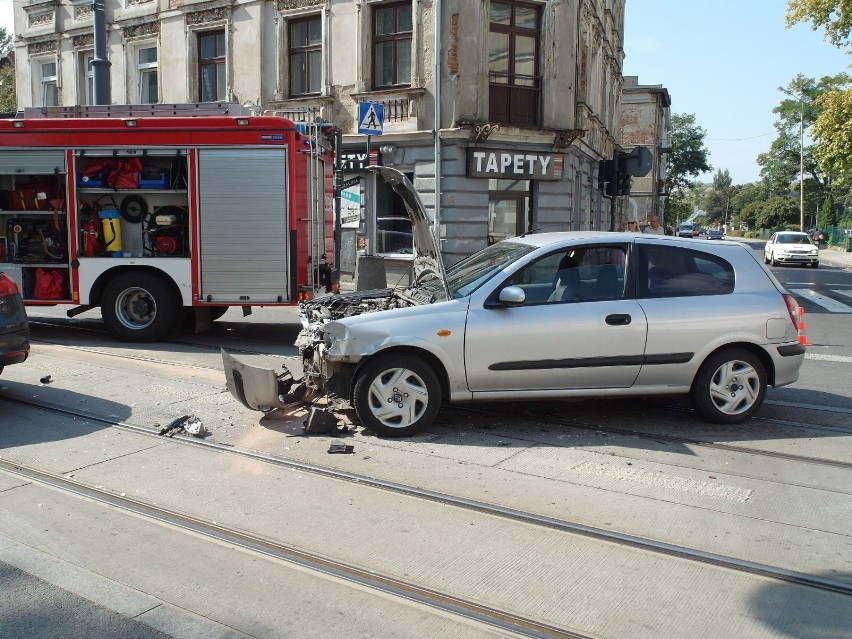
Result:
[[74, 568]]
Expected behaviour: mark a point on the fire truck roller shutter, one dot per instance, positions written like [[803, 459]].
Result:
[[42, 162], [243, 225]]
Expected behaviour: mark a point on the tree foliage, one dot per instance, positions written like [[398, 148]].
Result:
[[722, 180], [688, 157], [834, 15], [828, 214], [687, 160], [6, 41], [8, 96], [833, 134]]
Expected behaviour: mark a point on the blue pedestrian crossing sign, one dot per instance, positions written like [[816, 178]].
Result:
[[371, 118]]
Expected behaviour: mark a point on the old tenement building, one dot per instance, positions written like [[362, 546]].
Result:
[[529, 92]]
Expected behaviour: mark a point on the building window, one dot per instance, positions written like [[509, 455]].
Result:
[[86, 78], [508, 209], [513, 63], [305, 55], [392, 26], [211, 66], [49, 84], [146, 72]]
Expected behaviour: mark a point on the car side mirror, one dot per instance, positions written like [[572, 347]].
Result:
[[512, 296]]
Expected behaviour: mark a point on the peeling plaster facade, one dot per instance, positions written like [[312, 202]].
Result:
[[646, 121], [579, 101]]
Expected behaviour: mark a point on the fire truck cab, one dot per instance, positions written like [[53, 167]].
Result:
[[147, 211]]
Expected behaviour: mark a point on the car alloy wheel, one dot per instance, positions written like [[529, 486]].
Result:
[[730, 386], [397, 395]]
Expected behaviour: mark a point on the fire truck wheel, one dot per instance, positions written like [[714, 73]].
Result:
[[139, 307]]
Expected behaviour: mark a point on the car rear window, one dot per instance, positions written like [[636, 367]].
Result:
[[670, 271]]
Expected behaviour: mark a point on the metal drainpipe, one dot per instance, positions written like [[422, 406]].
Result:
[[100, 63], [436, 229]]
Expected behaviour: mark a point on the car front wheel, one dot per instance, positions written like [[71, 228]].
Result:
[[773, 260], [730, 386], [397, 395]]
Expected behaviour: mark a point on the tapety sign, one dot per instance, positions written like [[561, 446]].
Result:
[[519, 165]]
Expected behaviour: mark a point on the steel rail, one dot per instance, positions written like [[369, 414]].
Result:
[[675, 550], [504, 620]]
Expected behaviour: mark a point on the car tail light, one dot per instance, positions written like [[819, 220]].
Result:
[[792, 309], [7, 286]]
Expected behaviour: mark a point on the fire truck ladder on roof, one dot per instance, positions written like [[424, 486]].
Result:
[[187, 110]]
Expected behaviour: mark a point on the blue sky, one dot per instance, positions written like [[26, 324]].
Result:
[[723, 61]]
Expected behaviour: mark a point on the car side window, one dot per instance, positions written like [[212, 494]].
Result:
[[668, 271], [575, 275]]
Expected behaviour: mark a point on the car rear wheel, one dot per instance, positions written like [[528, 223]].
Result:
[[730, 386], [397, 395], [765, 259]]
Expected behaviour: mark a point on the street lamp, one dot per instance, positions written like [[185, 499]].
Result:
[[801, 99]]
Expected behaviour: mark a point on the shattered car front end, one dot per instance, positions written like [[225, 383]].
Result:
[[328, 357]]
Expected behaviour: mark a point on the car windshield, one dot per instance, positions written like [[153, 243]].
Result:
[[464, 277], [794, 239]]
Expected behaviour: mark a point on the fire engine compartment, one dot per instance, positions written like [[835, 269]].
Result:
[[127, 203]]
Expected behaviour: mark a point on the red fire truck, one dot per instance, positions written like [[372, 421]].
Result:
[[156, 212]]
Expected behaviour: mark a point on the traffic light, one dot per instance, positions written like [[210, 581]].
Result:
[[606, 176], [624, 181]]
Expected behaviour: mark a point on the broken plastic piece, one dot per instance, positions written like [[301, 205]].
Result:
[[344, 449], [194, 427]]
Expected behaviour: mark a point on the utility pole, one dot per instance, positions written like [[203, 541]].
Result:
[[801, 98], [100, 63]]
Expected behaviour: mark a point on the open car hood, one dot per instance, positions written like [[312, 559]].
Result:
[[428, 266]]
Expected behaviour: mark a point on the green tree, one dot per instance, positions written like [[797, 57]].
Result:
[[8, 96], [6, 41], [834, 15], [687, 160], [722, 180], [828, 214], [833, 134], [688, 157]]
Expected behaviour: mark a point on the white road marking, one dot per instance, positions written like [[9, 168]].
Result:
[[846, 359], [843, 293], [826, 302]]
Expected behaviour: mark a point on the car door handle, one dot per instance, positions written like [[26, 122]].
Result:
[[619, 319]]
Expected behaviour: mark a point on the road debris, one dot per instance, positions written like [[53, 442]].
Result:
[[185, 424]]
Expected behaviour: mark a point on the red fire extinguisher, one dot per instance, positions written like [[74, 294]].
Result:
[[91, 241]]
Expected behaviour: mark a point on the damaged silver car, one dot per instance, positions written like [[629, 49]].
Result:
[[544, 315]]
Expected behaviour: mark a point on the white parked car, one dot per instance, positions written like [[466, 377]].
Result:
[[791, 247], [549, 315]]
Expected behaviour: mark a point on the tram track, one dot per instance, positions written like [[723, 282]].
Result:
[[445, 602], [482, 507], [526, 413]]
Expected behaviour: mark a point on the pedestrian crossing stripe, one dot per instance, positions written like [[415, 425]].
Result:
[[824, 301]]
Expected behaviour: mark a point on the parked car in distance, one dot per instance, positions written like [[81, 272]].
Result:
[[791, 247], [715, 234], [547, 316], [14, 328]]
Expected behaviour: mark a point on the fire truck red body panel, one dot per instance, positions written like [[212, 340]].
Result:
[[225, 211]]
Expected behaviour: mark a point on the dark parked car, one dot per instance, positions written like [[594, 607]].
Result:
[[14, 328]]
